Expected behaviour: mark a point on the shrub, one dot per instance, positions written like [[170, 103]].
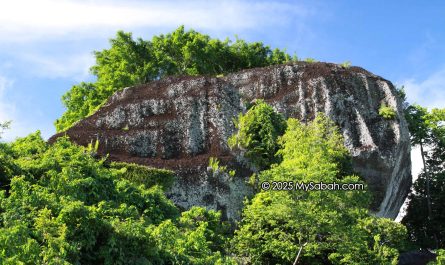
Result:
[[66, 207], [258, 131], [440, 260], [148, 176], [130, 62], [387, 112], [346, 64], [331, 227]]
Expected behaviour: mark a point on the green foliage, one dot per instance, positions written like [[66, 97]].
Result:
[[425, 126], [66, 207], [150, 177], [425, 216], [416, 220], [129, 62], [318, 141], [29, 146], [216, 168], [214, 164], [17, 158], [417, 116], [371, 240], [92, 149], [440, 260], [4, 126], [387, 112], [80, 101], [258, 131], [18, 246], [330, 226], [188, 242], [8, 163], [8, 167], [346, 64], [401, 93], [310, 60]]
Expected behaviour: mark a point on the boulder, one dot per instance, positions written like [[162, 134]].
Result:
[[180, 122]]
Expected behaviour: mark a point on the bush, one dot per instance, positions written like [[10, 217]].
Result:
[[387, 112], [440, 260], [310, 60], [130, 62], [8, 167], [258, 131], [148, 176], [346, 64], [68, 208], [331, 227]]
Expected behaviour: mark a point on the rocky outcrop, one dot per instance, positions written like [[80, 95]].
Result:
[[178, 123]]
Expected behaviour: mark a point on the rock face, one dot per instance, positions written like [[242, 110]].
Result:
[[178, 123]]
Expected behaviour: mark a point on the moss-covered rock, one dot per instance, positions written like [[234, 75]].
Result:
[[148, 176]]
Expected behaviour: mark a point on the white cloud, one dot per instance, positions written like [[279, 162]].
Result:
[[66, 66], [7, 109], [416, 161], [4, 83], [429, 92], [29, 28], [9, 112], [22, 20], [416, 168]]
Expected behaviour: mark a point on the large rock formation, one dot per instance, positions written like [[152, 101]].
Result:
[[178, 123]]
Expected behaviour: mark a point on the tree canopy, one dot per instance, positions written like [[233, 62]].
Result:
[[129, 62], [59, 205], [326, 226], [425, 216], [257, 135]]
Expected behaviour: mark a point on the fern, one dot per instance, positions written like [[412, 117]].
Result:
[[387, 112]]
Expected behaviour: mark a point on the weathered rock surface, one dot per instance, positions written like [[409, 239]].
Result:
[[178, 123]]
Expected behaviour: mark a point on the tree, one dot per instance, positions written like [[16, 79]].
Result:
[[258, 131], [130, 62], [8, 167], [66, 207], [328, 226], [424, 231], [3, 126], [440, 260], [80, 101], [428, 131], [188, 241]]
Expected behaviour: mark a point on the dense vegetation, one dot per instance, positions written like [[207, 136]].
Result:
[[258, 132], [425, 216], [62, 206], [59, 204], [328, 226], [129, 62]]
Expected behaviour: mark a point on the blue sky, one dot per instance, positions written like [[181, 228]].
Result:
[[46, 46]]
